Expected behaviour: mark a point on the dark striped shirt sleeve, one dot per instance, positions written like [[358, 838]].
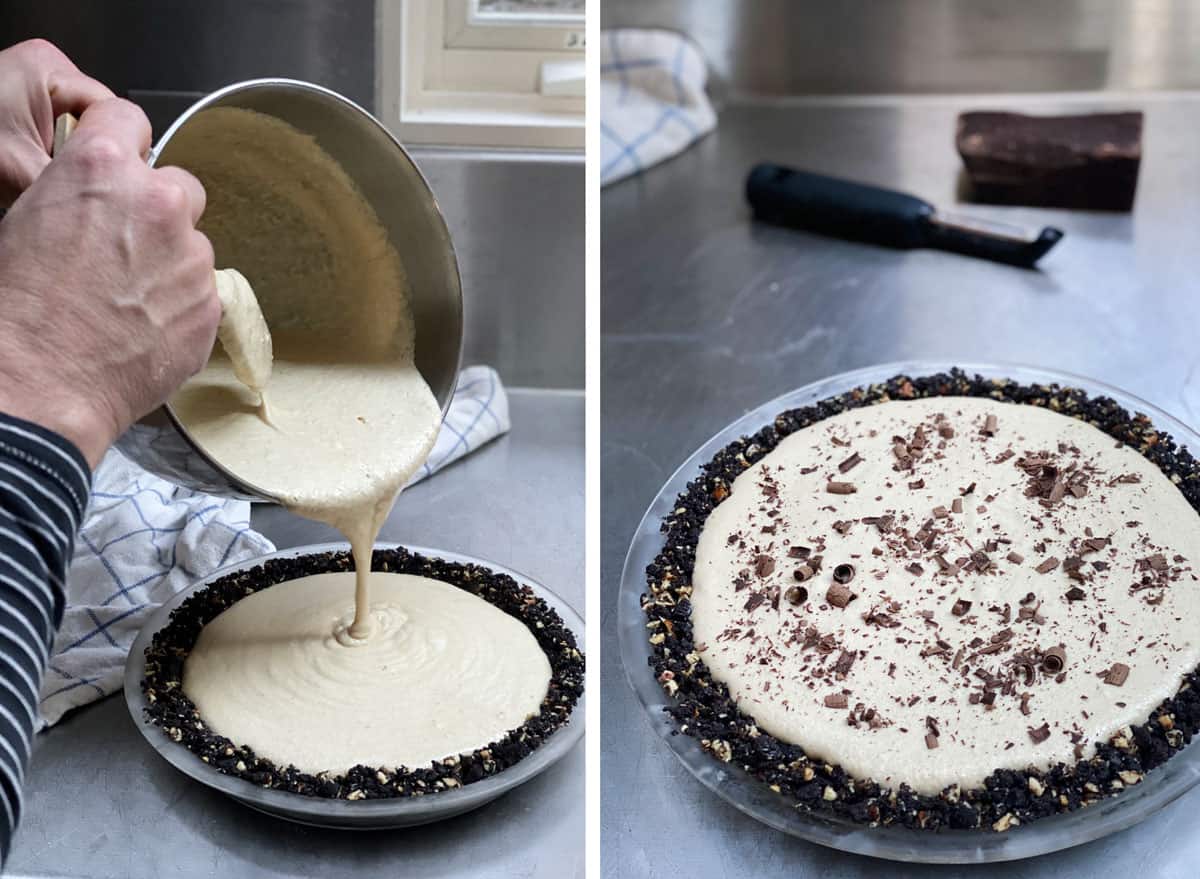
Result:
[[44, 484]]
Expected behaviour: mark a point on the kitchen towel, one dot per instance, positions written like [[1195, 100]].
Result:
[[652, 100], [144, 539]]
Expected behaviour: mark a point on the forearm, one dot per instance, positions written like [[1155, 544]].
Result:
[[44, 484]]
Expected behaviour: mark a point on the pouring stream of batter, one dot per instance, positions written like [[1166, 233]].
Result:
[[351, 418]]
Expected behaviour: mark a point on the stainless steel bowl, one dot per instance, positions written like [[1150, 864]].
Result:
[[392, 184]]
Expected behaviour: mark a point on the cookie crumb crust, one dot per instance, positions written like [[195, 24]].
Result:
[[171, 710], [1007, 799]]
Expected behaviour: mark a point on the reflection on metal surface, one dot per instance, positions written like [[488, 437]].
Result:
[[175, 45], [782, 47]]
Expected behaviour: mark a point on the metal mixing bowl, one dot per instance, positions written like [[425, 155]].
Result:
[[391, 183]]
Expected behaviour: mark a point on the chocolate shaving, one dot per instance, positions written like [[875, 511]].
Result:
[[931, 741], [836, 700], [843, 573], [850, 463], [1117, 675], [989, 426], [839, 595], [919, 483], [841, 487], [1039, 734], [1075, 594], [956, 505], [764, 566], [845, 662], [915, 569], [799, 552], [1047, 566], [1015, 557], [961, 606], [946, 566], [796, 595], [1054, 660]]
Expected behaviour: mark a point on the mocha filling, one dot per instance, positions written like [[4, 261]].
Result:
[[704, 709], [169, 708]]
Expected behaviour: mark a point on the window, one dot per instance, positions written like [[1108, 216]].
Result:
[[492, 73]]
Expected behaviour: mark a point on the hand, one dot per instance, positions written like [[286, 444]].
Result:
[[37, 83], [107, 294]]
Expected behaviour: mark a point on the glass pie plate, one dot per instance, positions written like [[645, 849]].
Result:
[[1160, 787], [340, 813]]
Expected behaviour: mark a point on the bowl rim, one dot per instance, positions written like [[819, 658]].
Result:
[[1161, 786], [317, 810], [216, 98]]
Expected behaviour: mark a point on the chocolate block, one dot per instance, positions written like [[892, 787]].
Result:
[[1088, 162]]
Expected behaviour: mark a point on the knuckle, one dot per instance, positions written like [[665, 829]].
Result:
[[38, 49], [167, 199], [99, 154]]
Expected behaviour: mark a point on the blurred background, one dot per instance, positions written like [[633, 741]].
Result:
[[783, 47]]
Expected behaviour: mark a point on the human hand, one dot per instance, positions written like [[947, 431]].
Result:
[[37, 83], [107, 293]]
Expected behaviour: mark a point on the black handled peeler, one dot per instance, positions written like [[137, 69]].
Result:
[[859, 212]]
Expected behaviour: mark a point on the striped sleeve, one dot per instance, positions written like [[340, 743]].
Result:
[[44, 484]]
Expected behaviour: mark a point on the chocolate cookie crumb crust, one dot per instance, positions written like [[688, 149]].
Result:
[[171, 710], [704, 710]]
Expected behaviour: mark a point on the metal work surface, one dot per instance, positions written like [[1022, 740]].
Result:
[[785, 47], [707, 314], [100, 803]]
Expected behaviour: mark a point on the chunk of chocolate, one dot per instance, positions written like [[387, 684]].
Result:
[[1086, 161], [1054, 660], [1047, 566], [796, 595], [839, 595], [836, 700], [764, 566], [1117, 675], [840, 487], [843, 573]]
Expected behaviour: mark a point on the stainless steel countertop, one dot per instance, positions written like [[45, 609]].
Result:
[[99, 803], [706, 315]]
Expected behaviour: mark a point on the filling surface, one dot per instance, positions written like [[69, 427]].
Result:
[[443, 673], [923, 592]]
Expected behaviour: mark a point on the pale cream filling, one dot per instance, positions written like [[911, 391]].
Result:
[[243, 333], [783, 684], [443, 673], [413, 672]]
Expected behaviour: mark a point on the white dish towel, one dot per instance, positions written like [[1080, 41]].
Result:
[[144, 539], [652, 100]]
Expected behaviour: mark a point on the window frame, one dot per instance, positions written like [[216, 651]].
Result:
[[433, 92]]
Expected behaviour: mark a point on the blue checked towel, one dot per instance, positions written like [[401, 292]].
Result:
[[145, 539], [652, 100]]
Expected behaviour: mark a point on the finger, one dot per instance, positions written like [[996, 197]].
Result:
[[193, 187], [73, 92], [120, 120]]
